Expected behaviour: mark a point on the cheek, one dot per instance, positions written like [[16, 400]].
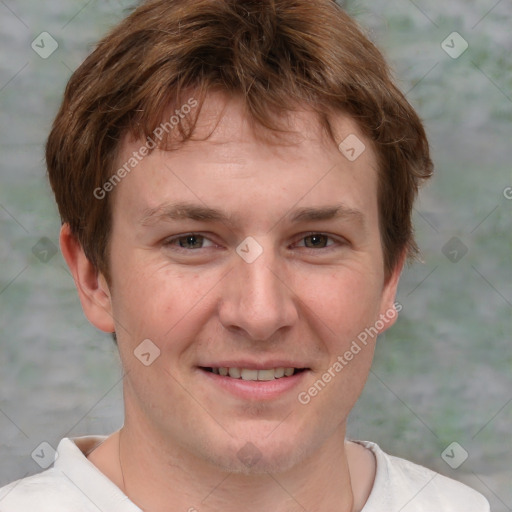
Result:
[[157, 302], [346, 301], [346, 313]]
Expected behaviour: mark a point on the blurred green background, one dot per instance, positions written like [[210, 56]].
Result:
[[442, 374]]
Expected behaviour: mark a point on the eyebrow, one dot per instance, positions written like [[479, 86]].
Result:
[[191, 211]]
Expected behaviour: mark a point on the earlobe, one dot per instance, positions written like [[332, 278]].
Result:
[[92, 287], [388, 310]]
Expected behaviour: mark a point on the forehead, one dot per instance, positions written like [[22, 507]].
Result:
[[231, 159]]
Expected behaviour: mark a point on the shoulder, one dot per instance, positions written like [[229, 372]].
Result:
[[72, 484], [49, 491], [406, 486]]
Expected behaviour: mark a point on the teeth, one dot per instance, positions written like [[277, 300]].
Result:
[[249, 374], [278, 373], [265, 375], [234, 373], [253, 375]]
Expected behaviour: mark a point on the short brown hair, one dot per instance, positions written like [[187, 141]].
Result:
[[275, 54]]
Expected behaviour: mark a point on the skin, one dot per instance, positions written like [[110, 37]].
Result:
[[297, 301]]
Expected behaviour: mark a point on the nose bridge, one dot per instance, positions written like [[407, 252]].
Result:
[[256, 299]]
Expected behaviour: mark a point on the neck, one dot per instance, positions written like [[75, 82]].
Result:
[[153, 474]]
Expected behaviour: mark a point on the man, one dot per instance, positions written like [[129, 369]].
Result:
[[235, 180]]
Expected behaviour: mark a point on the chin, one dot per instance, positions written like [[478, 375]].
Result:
[[259, 455], [261, 464]]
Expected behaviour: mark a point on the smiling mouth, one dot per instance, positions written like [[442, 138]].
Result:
[[254, 375]]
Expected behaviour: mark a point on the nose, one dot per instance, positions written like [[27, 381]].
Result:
[[256, 303]]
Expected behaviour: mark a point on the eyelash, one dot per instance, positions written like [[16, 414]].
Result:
[[171, 241]]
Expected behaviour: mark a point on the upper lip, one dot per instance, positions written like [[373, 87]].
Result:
[[254, 365]]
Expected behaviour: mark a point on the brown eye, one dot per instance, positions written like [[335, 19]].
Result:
[[316, 241], [188, 241], [191, 241]]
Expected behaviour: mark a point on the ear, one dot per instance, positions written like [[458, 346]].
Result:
[[388, 311], [92, 287]]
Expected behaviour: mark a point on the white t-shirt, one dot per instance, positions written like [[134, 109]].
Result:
[[74, 484]]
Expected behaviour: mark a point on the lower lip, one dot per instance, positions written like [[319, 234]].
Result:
[[256, 390]]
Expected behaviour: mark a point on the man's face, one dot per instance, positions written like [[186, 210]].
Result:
[[296, 294]]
